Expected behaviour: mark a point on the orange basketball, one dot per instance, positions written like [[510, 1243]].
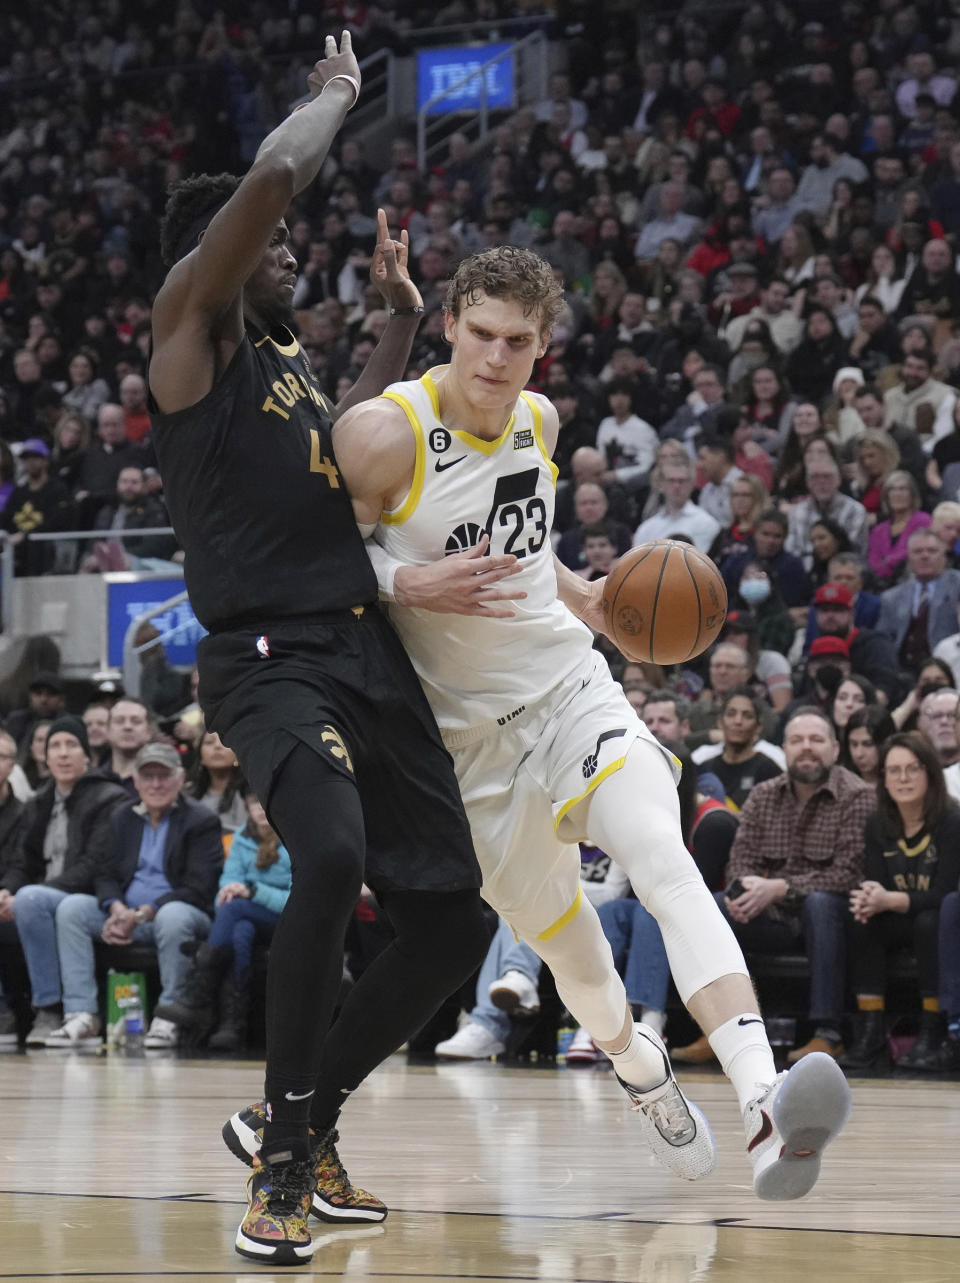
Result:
[[664, 602]]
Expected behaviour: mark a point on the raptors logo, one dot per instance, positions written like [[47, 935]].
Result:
[[592, 760], [336, 746]]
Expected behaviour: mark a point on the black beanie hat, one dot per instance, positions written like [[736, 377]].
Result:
[[71, 725]]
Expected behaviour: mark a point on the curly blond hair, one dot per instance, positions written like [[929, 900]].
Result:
[[507, 272]]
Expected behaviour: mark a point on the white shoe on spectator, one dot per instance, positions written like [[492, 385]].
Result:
[[161, 1034], [472, 1041], [583, 1050], [515, 994], [45, 1023], [80, 1031]]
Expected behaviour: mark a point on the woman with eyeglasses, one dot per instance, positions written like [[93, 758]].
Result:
[[912, 860]]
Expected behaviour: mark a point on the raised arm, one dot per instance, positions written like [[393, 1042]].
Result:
[[199, 306]]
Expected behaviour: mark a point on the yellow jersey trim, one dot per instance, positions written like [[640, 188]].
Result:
[[564, 919], [597, 779], [409, 505], [537, 414], [466, 438], [288, 349]]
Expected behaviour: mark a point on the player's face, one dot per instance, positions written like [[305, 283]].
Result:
[[269, 291], [494, 348]]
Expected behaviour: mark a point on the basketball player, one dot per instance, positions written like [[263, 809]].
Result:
[[301, 674], [546, 747]]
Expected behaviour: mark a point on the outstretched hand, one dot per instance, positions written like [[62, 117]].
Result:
[[461, 584], [335, 62], [388, 267]]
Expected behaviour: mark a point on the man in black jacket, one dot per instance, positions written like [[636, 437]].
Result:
[[11, 813], [156, 886], [64, 839]]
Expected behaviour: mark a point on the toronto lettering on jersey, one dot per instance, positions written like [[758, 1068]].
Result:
[[289, 390]]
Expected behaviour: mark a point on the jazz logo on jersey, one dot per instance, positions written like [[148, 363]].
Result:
[[336, 746], [592, 760], [263, 646], [522, 438]]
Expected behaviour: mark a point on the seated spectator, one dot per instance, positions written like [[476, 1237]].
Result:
[[912, 861], [32, 759], [700, 411], [64, 839], [934, 674], [827, 540], [11, 812], [921, 612], [775, 312], [670, 221], [163, 688], [814, 362], [945, 524], [775, 628], [901, 506], [667, 715], [254, 887], [769, 669], [131, 509], [130, 725], [590, 508], [742, 758], [865, 733], [71, 440], [39, 504], [628, 443], [877, 457], [847, 569], [154, 885], [920, 402], [748, 500], [599, 552], [871, 653], [825, 500], [804, 426], [678, 515], [46, 700], [96, 718], [87, 392], [133, 398], [786, 571], [216, 783], [102, 463], [797, 855], [587, 464], [937, 723], [715, 454], [853, 693]]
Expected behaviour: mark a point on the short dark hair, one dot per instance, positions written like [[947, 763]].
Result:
[[937, 799], [810, 710], [681, 705], [507, 272], [742, 692], [774, 517], [713, 441], [189, 201]]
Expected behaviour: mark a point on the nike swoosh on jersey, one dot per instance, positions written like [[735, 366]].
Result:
[[440, 466]]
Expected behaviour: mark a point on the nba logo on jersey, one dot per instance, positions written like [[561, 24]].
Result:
[[263, 646]]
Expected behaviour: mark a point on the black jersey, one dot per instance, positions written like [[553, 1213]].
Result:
[[255, 496]]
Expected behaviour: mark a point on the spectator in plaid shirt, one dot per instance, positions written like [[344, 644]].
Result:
[[798, 853]]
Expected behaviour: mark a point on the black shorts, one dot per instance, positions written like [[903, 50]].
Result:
[[344, 686]]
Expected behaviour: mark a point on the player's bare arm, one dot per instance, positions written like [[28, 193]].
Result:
[[198, 313], [389, 272], [376, 455]]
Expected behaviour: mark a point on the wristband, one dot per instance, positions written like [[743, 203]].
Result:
[[353, 81], [406, 311], [384, 566]]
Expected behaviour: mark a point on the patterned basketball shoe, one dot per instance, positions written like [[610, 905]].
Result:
[[790, 1124], [335, 1199], [675, 1129], [275, 1229]]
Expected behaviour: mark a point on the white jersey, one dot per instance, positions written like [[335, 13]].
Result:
[[477, 670]]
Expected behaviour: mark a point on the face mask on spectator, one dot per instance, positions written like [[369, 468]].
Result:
[[754, 591]]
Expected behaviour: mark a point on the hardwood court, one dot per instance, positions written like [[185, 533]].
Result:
[[114, 1169]]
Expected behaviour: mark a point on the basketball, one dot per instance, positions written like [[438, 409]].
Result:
[[664, 602]]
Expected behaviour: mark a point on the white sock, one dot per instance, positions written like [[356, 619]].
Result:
[[640, 1063], [742, 1048], [654, 1019]]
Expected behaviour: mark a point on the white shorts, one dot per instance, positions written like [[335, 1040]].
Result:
[[522, 781]]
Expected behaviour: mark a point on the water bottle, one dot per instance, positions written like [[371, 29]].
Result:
[[133, 1023]]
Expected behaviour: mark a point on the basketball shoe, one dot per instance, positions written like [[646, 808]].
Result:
[[790, 1124], [335, 1198], [675, 1129], [275, 1226]]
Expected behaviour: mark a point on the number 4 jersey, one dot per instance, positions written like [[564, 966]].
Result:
[[477, 670]]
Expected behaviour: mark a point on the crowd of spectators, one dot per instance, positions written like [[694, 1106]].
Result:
[[755, 219]]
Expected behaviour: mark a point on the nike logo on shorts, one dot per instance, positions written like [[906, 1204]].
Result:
[[440, 466]]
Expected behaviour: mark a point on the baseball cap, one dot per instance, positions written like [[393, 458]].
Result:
[[33, 445], [829, 646], [833, 595], [157, 754]]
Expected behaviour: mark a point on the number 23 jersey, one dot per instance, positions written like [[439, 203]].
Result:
[[473, 669]]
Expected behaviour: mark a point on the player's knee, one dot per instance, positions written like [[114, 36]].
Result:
[[434, 925]]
